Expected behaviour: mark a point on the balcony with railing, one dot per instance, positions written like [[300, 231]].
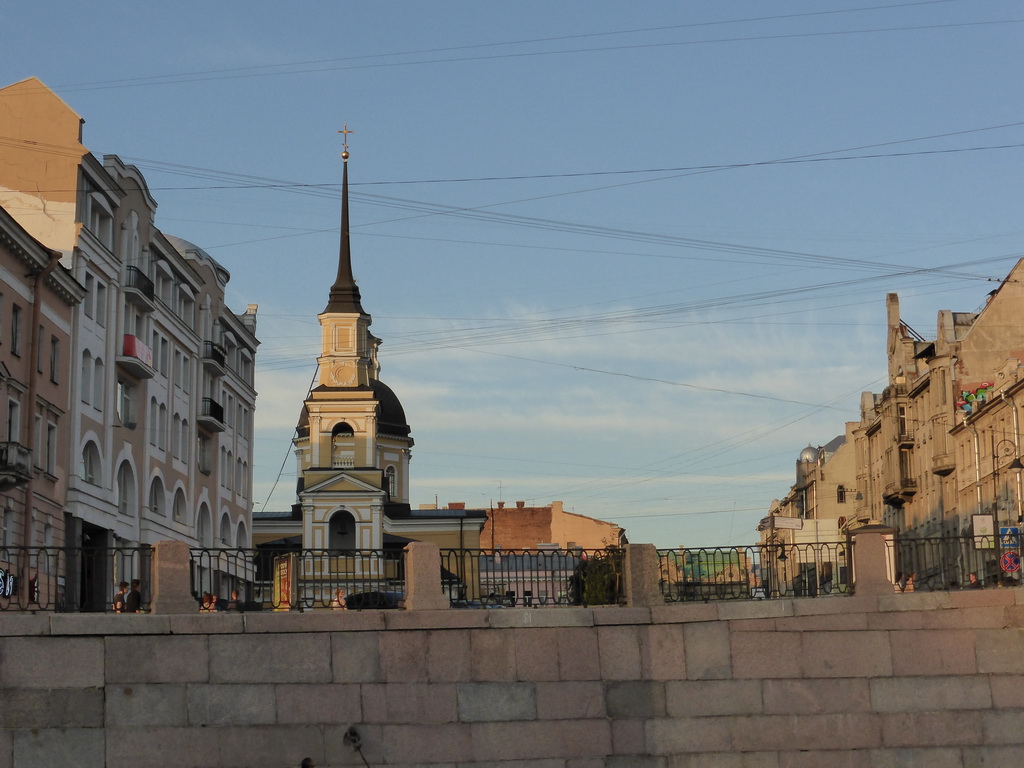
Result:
[[211, 415], [214, 358], [136, 358], [138, 289], [15, 465]]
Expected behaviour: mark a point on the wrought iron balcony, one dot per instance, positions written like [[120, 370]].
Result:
[[138, 289], [211, 415], [214, 358]]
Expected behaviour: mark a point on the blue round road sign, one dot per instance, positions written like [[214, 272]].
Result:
[[1010, 562]]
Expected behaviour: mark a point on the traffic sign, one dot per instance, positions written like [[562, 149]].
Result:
[[1010, 562], [1009, 536]]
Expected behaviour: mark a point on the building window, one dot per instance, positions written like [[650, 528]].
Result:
[[156, 497], [91, 464], [90, 290], [180, 510], [391, 482], [51, 448], [39, 348], [125, 411], [13, 421], [126, 490], [204, 455], [16, 330], [85, 385], [101, 303], [54, 358], [98, 385], [841, 494]]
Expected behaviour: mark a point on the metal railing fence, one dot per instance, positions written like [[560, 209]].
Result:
[[532, 578], [816, 569], [298, 579], [947, 562], [70, 579]]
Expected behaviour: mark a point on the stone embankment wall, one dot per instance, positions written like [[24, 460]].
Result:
[[902, 680]]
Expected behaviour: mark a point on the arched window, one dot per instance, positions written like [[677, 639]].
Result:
[[180, 507], [238, 477], [241, 539], [162, 428], [126, 493], [342, 446], [176, 437], [185, 441], [391, 482], [91, 463], [204, 526], [229, 470], [342, 531], [225, 531], [157, 499], [154, 422], [841, 494], [86, 382], [98, 385]]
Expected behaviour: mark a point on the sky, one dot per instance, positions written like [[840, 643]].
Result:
[[629, 257]]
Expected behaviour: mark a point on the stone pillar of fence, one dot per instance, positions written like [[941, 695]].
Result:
[[423, 591], [641, 574], [871, 561], [172, 585]]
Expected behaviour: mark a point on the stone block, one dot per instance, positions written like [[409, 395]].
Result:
[[312, 621], [163, 746], [628, 737], [994, 617], [635, 698], [933, 653], [444, 619], [619, 652], [59, 748], [292, 658], [925, 694], [355, 657], [992, 757], [145, 705], [932, 729], [494, 702], [321, 703], [537, 740], [683, 613], [711, 698], [730, 610], [412, 703], [1007, 691], [663, 652], [835, 603], [448, 656], [216, 705], [927, 757], [708, 655], [1000, 651], [820, 696], [734, 760], [109, 624], [784, 733], [913, 601], [32, 624], [977, 598], [536, 651], [423, 744], [222, 623], [51, 662], [267, 745], [579, 655], [604, 615], [1000, 727], [6, 749], [493, 656], [846, 654], [402, 658], [828, 622], [158, 659], [570, 700], [681, 735], [896, 620], [541, 617], [761, 655], [51, 708], [338, 751], [833, 758]]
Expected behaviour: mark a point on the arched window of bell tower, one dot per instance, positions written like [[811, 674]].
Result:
[[391, 482], [342, 446], [341, 533]]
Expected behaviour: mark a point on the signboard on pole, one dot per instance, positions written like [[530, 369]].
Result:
[[1010, 562], [1009, 536], [984, 531]]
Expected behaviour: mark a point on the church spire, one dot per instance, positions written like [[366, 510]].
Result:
[[344, 293]]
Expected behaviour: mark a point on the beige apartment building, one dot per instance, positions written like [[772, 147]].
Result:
[[159, 426], [938, 452]]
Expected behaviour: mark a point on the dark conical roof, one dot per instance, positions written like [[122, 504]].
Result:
[[344, 292]]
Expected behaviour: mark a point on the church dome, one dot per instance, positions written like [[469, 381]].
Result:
[[810, 453], [390, 413]]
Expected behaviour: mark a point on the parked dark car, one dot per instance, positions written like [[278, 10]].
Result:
[[369, 600]]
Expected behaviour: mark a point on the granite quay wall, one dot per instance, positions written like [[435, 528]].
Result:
[[874, 679]]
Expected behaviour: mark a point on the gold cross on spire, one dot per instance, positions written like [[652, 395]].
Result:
[[344, 141]]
